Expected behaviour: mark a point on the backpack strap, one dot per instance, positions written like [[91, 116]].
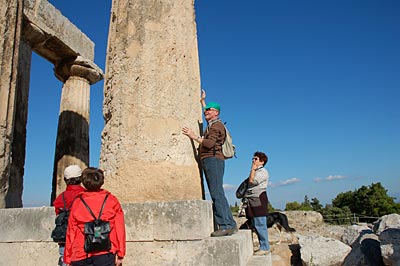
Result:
[[102, 206], [90, 210], [65, 203], [209, 126]]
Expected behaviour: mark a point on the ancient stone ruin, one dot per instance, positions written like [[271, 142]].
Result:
[[151, 90], [152, 87], [34, 25]]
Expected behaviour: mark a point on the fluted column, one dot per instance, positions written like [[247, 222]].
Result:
[[72, 146]]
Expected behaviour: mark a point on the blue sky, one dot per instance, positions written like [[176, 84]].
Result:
[[314, 84]]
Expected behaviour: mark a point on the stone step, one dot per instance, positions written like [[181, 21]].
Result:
[[157, 234], [234, 250], [282, 254], [260, 260]]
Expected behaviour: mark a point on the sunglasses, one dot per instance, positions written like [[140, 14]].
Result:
[[255, 159]]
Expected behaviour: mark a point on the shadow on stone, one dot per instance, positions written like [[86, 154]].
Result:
[[295, 259], [72, 140], [371, 248]]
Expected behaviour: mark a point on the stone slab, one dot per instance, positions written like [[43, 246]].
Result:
[[260, 261], [163, 233], [221, 251], [29, 253], [224, 251], [26, 224], [175, 220]]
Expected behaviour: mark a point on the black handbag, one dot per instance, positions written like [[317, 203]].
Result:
[[242, 189]]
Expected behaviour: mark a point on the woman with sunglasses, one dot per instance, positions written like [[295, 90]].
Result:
[[256, 194]]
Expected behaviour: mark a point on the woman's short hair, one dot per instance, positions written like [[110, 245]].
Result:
[[262, 156], [92, 178]]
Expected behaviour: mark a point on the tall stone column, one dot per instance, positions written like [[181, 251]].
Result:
[[72, 146], [10, 32], [14, 195], [152, 90]]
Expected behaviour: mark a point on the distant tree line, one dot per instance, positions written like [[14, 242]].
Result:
[[365, 204]]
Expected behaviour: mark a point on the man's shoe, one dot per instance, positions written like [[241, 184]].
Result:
[[231, 231], [261, 252], [223, 232], [220, 232]]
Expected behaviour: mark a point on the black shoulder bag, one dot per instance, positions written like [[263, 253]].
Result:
[[242, 189], [97, 232]]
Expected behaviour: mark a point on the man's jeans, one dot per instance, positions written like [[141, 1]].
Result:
[[260, 223], [214, 173]]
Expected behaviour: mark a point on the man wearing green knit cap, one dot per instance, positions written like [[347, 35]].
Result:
[[213, 162]]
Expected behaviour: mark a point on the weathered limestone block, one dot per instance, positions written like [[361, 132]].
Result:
[[226, 251], [386, 222], [152, 89], [26, 224], [149, 221], [223, 251], [173, 220], [158, 233], [353, 232], [322, 251], [29, 253]]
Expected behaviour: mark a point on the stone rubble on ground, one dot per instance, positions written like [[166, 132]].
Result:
[[317, 243]]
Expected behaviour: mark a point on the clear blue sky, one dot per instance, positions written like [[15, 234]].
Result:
[[314, 84]]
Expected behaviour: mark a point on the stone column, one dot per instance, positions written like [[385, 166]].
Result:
[[72, 146], [14, 195], [152, 90], [10, 32]]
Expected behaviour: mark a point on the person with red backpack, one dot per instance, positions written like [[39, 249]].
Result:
[[72, 178], [96, 226]]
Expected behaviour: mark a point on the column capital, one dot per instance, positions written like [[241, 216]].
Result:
[[80, 67]]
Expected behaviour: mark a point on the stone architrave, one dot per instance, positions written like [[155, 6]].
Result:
[[152, 89]]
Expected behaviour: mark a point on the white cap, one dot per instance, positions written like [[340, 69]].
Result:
[[72, 171]]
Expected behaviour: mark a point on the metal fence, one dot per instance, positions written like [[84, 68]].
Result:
[[348, 218]]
